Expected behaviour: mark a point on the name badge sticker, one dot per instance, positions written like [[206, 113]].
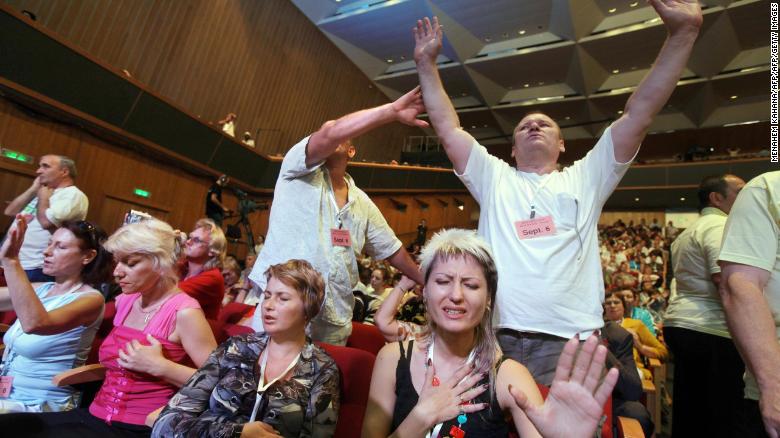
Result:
[[6, 383], [537, 227], [340, 237]]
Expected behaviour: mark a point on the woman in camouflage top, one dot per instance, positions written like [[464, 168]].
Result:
[[225, 398]]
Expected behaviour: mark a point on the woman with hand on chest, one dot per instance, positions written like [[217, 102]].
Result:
[[451, 381]]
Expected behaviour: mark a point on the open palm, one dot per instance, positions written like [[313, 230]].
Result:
[[678, 14], [576, 400], [427, 40]]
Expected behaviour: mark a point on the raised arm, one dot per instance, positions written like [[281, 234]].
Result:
[[15, 207], [682, 19], [335, 132], [457, 142], [32, 315], [384, 318]]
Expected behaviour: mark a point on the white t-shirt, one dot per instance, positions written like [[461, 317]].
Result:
[[302, 215], [696, 305], [752, 237], [66, 204], [549, 284]]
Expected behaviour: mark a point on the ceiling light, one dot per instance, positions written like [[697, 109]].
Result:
[[473, 126], [612, 10], [633, 5], [636, 199], [567, 118], [526, 85], [544, 99], [389, 61], [620, 111], [682, 199], [733, 97], [615, 71], [521, 32]]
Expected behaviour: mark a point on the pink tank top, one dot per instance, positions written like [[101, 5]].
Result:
[[128, 396]]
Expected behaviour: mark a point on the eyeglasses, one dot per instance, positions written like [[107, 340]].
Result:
[[197, 241]]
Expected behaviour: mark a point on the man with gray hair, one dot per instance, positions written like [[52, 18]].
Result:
[[50, 200]]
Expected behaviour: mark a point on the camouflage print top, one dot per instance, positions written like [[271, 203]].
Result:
[[218, 399]]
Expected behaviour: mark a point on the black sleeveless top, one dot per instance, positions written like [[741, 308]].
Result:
[[488, 423]]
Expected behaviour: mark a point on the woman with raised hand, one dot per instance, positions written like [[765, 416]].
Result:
[[452, 380], [159, 332], [268, 384], [56, 321]]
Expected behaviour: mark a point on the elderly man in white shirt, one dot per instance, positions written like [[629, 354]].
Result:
[[320, 215]]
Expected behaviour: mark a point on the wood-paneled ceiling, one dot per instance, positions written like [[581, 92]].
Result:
[[577, 60]]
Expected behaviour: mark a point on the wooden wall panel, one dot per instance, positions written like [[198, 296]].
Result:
[[263, 60]]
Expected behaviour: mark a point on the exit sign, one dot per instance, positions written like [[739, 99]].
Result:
[[142, 193], [16, 156]]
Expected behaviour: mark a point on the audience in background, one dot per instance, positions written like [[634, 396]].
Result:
[[56, 321], [46, 204], [204, 252], [645, 344]]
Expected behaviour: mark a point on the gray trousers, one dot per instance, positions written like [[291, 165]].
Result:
[[539, 352]]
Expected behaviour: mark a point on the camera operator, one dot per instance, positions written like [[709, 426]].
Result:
[[215, 209]]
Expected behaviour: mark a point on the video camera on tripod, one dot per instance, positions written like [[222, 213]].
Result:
[[246, 206]]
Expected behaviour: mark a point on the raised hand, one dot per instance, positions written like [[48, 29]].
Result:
[[427, 40], [406, 283], [438, 404], [13, 244], [679, 15], [576, 400], [408, 107]]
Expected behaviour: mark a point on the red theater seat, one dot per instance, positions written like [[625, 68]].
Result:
[[366, 337], [232, 313], [355, 368]]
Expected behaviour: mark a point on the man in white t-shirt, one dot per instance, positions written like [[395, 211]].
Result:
[[320, 215], [50, 200], [540, 222], [694, 323], [750, 290]]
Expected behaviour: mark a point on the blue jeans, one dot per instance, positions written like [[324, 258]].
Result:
[[37, 276]]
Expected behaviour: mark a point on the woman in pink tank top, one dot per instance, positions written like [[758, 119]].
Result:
[[160, 338]]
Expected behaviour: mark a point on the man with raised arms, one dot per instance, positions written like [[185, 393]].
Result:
[[540, 222], [319, 215]]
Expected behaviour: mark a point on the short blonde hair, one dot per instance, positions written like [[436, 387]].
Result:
[[217, 243], [301, 276], [152, 238]]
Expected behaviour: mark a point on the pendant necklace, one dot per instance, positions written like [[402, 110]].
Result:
[[455, 431]]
